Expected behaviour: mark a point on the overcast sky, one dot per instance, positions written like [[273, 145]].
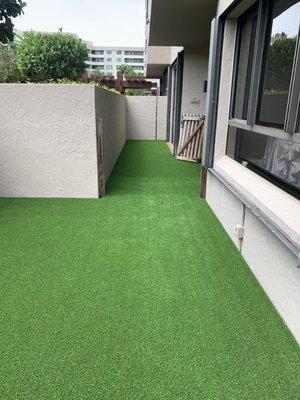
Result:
[[104, 22]]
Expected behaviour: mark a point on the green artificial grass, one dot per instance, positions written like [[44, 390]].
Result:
[[139, 295]]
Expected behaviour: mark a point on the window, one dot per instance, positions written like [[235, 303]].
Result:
[[108, 59], [138, 68], [246, 28], [97, 52], [263, 126], [279, 58], [119, 60], [274, 158], [94, 59], [108, 51], [134, 60], [109, 67], [119, 51], [134, 53]]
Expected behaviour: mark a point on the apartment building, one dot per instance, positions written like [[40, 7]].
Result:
[[240, 66], [109, 59]]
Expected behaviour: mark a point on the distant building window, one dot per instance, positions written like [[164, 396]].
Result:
[[138, 68], [108, 51], [109, 67], [109, 60], [134, 60], [119, 60], [119, 51], [97, 52], [94, 59], [134, 53]]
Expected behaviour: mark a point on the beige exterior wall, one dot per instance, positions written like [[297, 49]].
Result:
[[48, 141], [146, 117], [112, 108], [194, 74], [272, 262]]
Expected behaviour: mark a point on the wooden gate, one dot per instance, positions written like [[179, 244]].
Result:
[[100, 158], [191, 137]]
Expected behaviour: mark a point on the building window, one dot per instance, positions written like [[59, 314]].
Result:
[[134, 53], [109, 67], [119, 51], [246, 28], [108, 51], [97, 52], [279, 58], [134, 60], [94, 59], [138, 68], [263, 126], [119, 60], [109, 60]]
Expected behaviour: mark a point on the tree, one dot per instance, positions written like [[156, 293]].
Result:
[[280, 63], [98, 72], [8, 64], [51, 56], [127, 70], [9, 9]]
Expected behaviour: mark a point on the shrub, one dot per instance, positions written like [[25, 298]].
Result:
[[51, 56], [135, 92], [8, 64]]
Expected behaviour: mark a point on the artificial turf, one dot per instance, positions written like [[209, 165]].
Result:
[[139, 295]]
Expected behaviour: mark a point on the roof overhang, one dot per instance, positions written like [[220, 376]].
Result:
[[180, 22], [158, 59]]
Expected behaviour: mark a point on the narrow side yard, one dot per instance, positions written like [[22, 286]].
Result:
[[139, 295]]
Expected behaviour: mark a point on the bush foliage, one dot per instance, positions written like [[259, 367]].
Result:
[[51, 56], [8, 64]]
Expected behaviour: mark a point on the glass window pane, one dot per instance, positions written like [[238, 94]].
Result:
[[246, 32], [278, 158], [279, 63]]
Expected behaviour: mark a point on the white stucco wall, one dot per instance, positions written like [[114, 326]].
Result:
[[112, 108], [161, 117], [272, 263], [48, 142], [194, 74], [146, 117]]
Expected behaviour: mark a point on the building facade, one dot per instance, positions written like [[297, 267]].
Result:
[[108, 59], [240, 66]]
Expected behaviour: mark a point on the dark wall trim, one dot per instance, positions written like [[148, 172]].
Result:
[[169, 93], [211, 118], [180, 66]]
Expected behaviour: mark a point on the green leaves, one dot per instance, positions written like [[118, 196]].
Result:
[[8, 64], [9, 9], [127, 70], [51, 56]]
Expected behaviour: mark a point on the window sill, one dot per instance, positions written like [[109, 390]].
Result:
[[276, 209]]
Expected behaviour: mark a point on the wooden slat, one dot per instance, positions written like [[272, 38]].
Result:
[[191, 137]]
